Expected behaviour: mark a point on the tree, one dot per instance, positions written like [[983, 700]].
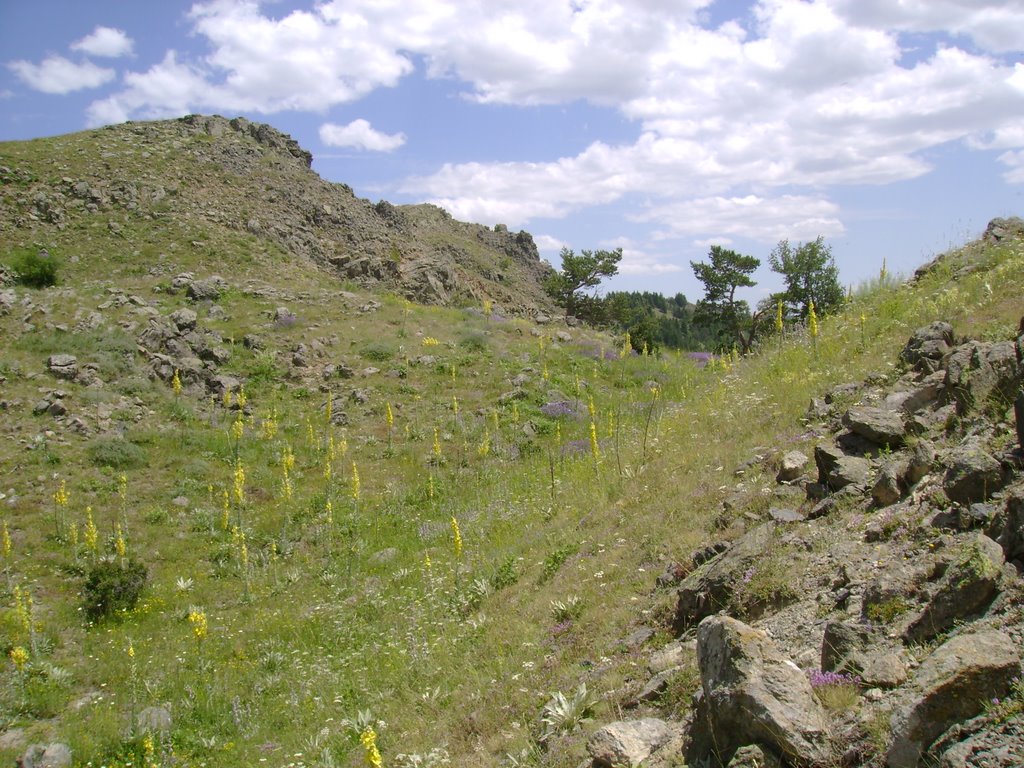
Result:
[[810, 274], [578, 273], [720, 308]]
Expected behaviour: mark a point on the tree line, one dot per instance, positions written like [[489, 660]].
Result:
[[720, 321]]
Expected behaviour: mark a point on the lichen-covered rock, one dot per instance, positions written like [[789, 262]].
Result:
[[753, 694], [627, 743], [791, 466], [973, 474], [881, 426], [952, 685], [967, 587]]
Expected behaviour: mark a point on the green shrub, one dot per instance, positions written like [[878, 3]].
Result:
[[377, 351], [474, 341], [112, 587], [116, 453], [35, 269]]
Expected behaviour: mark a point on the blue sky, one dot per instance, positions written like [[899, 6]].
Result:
[[893, 129]]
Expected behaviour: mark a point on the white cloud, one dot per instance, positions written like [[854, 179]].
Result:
[[167, 89], [767, 220], [59, 75], [105, 41], [360, 135], [547, 244], [1015, 162]]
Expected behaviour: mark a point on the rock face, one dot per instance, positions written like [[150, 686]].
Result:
[[752, 694], [952, 685], [628, 743]]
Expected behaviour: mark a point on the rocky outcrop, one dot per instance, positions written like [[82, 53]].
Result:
[[628, 743]]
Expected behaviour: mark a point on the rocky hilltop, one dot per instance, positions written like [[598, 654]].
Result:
[[237, 176]]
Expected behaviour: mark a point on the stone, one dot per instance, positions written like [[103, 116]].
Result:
[[63, 366], [879, 425], [1018, 415], [627, 743], [977, 372], [973, 474], [668, 657], [1009, 526], [222, 383], [780, 515], [752, 694], [791, 466], [54, 755], [209, 289], [849, 471], [184, 319], [966, 588], [709, 589], [928, 345], [952, 684], [657, 685], [753, 756], [888, 485], [922, 458]]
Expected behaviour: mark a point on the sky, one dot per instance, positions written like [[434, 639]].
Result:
[[892, 128]]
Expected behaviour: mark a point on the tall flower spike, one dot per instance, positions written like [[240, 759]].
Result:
[[812, 321], [456, 538], [355, 482]]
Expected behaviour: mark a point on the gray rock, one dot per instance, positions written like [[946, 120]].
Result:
[[780, 515], [54, 755], [792, 466], [209, 289], [859, 650], [928, 345], [849, 471], [63, 366], [710, 588], [888, 487], [752, 694], [627, 743], [967, 587], [922, 458], [951, 685], [1018, 415], [879, 425], [973, 474], [1008, 527], [753, 756], [184, 319], [977, 372]]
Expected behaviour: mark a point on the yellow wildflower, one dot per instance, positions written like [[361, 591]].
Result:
[[389, 416], [60, 496], [176, 383], [355, 482], [595, 449], [119, 543], [812, 321], [19, 657], [198, 621], [241, 399], [778, 317], [5, 542], [368, 739], [437, 444], [239, 483], [456, 538], [238, 427]]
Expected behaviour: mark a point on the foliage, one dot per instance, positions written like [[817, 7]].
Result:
[[112, 586], [35, 269], [837, 691], [563, 714], [726, 272], [377, 351], [116, 453], [811, 275], [579, 272]]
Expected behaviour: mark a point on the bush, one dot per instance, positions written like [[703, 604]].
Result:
[[377, 351], [112, 587], [474, 341], [35, 269], [116, 453]]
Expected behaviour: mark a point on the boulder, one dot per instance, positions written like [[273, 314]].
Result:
[[752, 694], [63, 366], [54, 755], [973, 474], [927, 346], [184, 319], [967, 588], [627, 743], [858, 649], [1008, 527], [888, 487], [879, 425], [977, 372], [953, 684], [209, 289], [792, 466], [709, 589]]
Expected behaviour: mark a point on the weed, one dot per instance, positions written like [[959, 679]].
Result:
[[564, 714], [112, 587], [116, 453], [35, 269]]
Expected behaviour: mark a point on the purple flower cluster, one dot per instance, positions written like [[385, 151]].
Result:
[[594, 352], [576, 447], [821, 679], [558, 408]]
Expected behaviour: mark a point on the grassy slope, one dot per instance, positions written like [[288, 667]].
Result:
[[336, 616]]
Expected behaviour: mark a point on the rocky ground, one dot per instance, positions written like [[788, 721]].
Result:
[[868, 610]]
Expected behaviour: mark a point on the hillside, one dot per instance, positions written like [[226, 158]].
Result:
[[135, 193], [457, 536]]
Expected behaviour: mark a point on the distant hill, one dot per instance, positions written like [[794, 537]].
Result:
[[211, 179]]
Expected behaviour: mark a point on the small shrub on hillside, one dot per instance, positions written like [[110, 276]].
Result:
[[112, 587], [506, 575], [474, 341], [556, 559], [116, 453], [35, 269], [564, 714], [377, 351], [837, 691]]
